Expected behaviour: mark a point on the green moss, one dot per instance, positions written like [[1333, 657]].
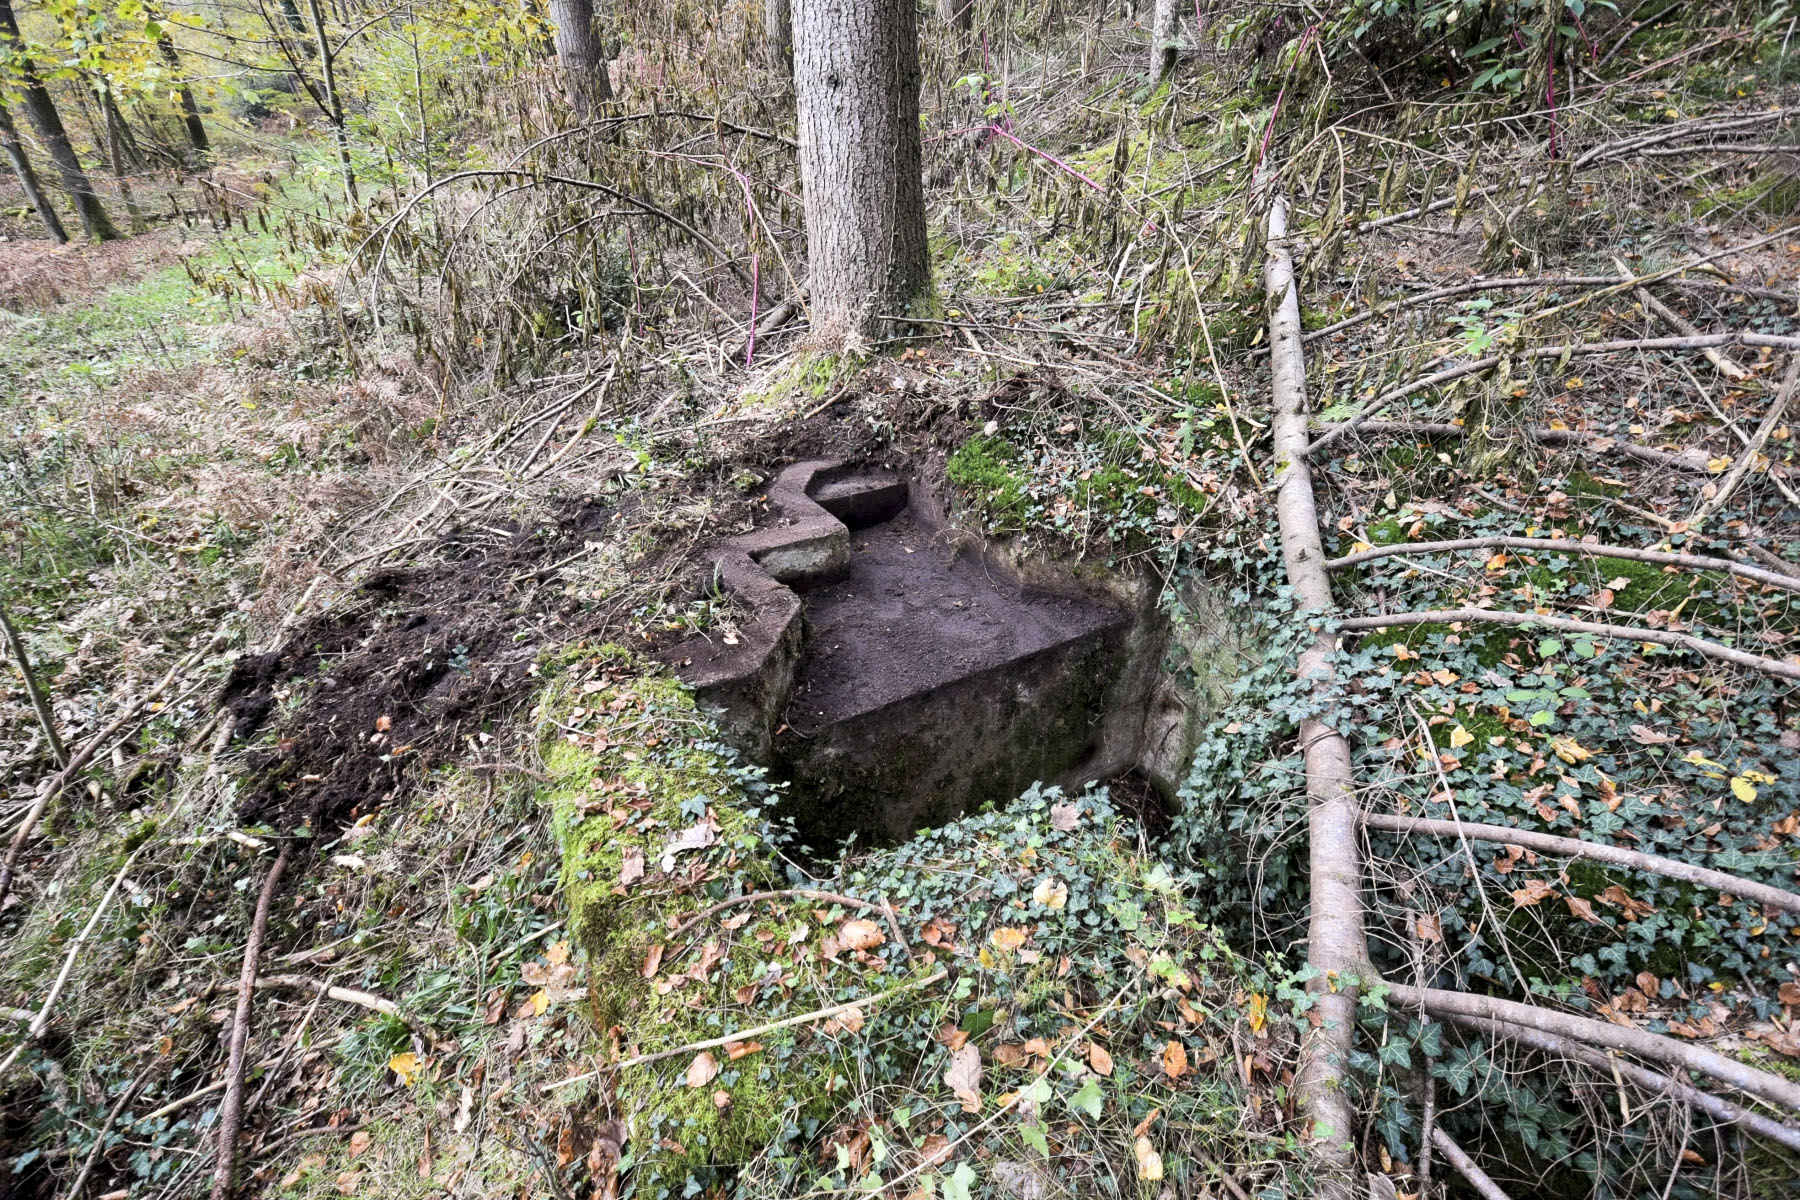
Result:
[[1650, 587], [627, 790], [985, 469], [1009, 269]]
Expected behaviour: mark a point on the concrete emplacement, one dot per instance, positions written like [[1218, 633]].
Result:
[[896, 675]]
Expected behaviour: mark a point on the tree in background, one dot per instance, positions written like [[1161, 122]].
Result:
[[856, 82], [579, 52], [1165, 38], [41, 109], [28, 180], [778, 33], [190, 111]]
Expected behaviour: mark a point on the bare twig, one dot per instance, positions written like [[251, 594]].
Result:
[[1692, 462], [1683, 641], [1665, 558], [39, 704], [807, 1018], [231, 1110], [1465, 1166], [1747, 458], [112, 1118], [1682, 326], [805, 894]]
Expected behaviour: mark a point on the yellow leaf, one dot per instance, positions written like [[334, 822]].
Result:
[[1743, 789], [1008, 937], [1052, 893], [540, 1001], [1259, 1012], [406, 1066], [1716, 465], [1570, 750], [1149, 1162], [1174, 1060], [1460, 737], [1497, 563]]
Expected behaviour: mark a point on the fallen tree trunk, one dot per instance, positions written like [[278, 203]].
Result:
[[1564, 847], [1782, 1133], [1664, 558], [1336, 945], [1450, 1005], [1780, 668]]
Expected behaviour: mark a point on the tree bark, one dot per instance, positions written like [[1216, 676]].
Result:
[[959, 15], [778, 33], [856, 82], [1336, 946], [190, 111], [48, 123], [579, 52], [28, 180], [1165, 38]]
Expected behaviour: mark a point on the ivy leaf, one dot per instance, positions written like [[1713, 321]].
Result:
[[1089, 1099]]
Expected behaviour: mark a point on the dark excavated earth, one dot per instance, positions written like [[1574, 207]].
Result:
[[913, 615]]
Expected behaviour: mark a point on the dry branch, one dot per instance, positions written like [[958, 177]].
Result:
[[1779, 668], [1664, 558], [80, 759], [39, 703], [1682, 326], [1336, 944], [231, 1109], [1466, 1167], [1747, 459], [1564, 847], [1450, 1005], [1782, 1133], [343, 995]]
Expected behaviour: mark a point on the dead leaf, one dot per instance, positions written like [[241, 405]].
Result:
[[700, 1072], [1051, 893], [964, 1077], [1174, 1060], [1099, 1059], [1583, 909], [1008, 937], [1643, 735], [939, 933], [1065, 817], [1430, 928], [360, 1142], [849, 1021], [1533, 893], [860, 935], [1789, 993], [934, 1150], [653, 961], [694, 837], [631, 866], [406, 1066], [1149, 1162], [349, 1183], [737, 1050]]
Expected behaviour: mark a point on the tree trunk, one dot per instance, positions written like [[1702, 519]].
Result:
[[334, 105], [958, 14], [1336, 946], [778, 33], [28, 180], [579, 52], [48, 123], [1165, 38], [856, 83], [122, 155], [190, 111]]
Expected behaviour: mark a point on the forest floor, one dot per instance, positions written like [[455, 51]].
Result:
[[412, 633]]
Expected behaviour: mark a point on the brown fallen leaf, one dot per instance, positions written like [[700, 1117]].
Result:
[[360, 1142], [1789, 993], [1533, 893], [653, 961], [631, 866], [1174, 1060], [1099, 1059], [737, 1050], [860, 934], [1583, 909], [934, 1149], [964, 1077], [1008, 937], [701, 1071], [1065, 817]]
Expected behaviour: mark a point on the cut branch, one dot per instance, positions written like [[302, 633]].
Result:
[[1664, 558], [1779, 668], [1336, 944], [1782, 1133], [1564, 847], [1761, 1084], [1465, 1166], [231, 1109]]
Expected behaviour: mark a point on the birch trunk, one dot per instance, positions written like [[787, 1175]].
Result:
[[28, 180], [1336, 946], [856, 83], [1165, 38]]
